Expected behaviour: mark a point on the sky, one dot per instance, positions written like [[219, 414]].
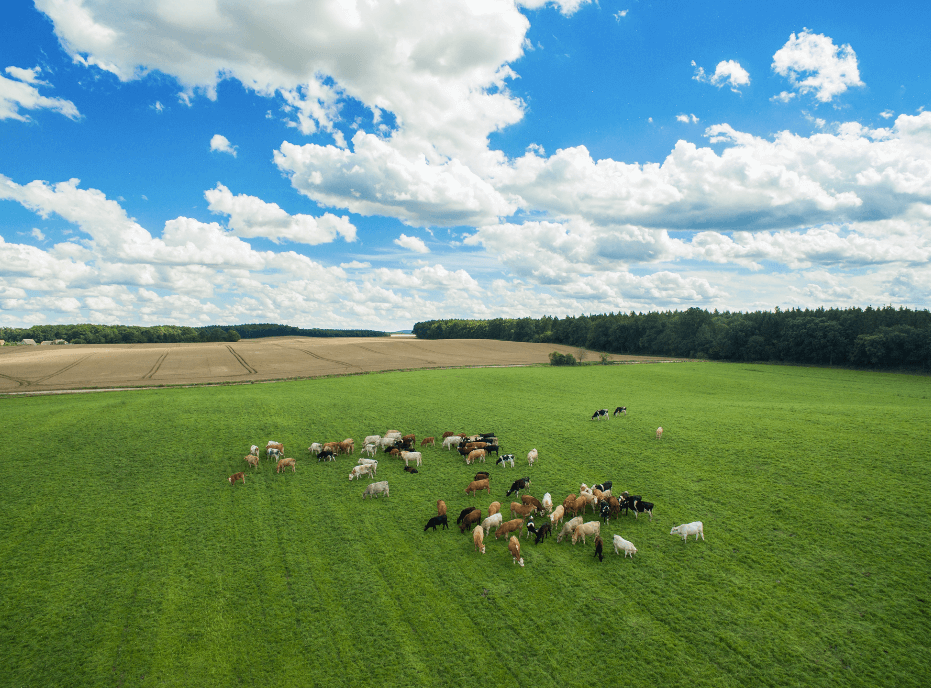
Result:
[[364, 164]]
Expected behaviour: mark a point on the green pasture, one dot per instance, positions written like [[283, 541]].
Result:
[[129, 560]]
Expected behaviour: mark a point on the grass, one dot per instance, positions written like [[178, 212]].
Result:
[[128, 559]]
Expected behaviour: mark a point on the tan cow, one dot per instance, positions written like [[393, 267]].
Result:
[[284, 463]]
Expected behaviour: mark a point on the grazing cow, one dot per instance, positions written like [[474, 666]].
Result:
[[236, 477], [530, 499], [375, 489], [440, 507], [542, 532], [505, 460], [509, 527], [518, 485], [478, 536], [254, 450], [557, 515], [451, 441], [494, 508], [600, 414], [604, 487], [532, 457], [371, 439], [686, 529], [478, 486], [619, 410], [368, 462], [470, 518], [522, 509], [475, 455], [431, 441], [626, 545], [436, 521], [359, 471], [347, 446], [370, 449], [569, 527], [568, 501], [514, 547], [628, 501], [659, 433], [252, 460], [273, 453], [599, 548], [284, 463], [386, 442], [493, 521], [274, 445], [586, 529], [315, 448], [326, 455], [548, 503], [464, 513], [332, 446], [417, 457], [641, 507], [615, 506]]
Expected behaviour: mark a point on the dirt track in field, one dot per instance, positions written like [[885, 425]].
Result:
[[38, 369]]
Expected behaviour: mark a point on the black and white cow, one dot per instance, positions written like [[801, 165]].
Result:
[[619, 410], [604, 487], [506, 459], [605, 510], [640, 507], [600, 414], [518, 485]]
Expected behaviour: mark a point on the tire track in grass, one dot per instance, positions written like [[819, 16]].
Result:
[[59, 371], [242, 361], [328, 360], [158, 364]]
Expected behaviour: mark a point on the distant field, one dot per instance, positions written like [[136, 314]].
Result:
[[46, 368], [128, 559]]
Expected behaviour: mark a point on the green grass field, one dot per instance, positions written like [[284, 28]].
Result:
[[128, 559]]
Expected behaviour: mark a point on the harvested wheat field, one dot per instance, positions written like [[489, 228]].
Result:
[[28, 369]]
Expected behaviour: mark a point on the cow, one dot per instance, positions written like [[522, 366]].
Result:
[[375, 489], [695, 528], [236, 477], [518, 485], [619, 410], [436, 521], [273, 453], [326, 455], [284, 463], [600, 414], [505, 460]]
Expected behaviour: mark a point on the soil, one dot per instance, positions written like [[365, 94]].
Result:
[[45, 369]]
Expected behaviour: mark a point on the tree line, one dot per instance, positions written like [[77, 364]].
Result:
[[163, 334], [869, 338]]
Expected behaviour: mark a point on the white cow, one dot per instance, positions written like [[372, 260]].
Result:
[[371, 439], [254, 450], [548, 503], [626, 545], [412, 456], [493, 521], [451, 441], [370, 449], [569, 527], [376, 489], [315, 448], [694, 528], [387, 441], [532, 457], [359, 471]]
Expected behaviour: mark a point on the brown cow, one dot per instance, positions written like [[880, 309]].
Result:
[[440, 507], [494, 508], [252, 460], [428, 441], [475, 455], [470, 518], [347, 446], [509, 527], [284, 463], [478, 486], [530, 499], [448, 434], [236, 477], [522, 509]]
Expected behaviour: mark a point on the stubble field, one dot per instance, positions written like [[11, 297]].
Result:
[[128, 559], [87, 366]]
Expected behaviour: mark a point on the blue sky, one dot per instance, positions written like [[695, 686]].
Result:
[[366, 164]]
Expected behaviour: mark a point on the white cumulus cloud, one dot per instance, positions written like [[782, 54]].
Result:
[[412, 244], [813, 64], [222, 144], [21, 92], [727, 72]]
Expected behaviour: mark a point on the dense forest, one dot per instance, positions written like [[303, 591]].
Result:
[[132, 334], [868, 338]]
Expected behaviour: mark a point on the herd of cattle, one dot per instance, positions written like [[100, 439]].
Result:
[[474, 448]]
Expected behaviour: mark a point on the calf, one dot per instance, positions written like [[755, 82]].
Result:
[[451, 441], [659, 433], [530, 499], [428, 441], [370, 449], [505, 460], [470, 518], [557, 515], [326, 455], [626, 545], [436, 521], [600, 414], [412, 456], [604, 487], [599, 547], [273, 453], [359, 471], [532, 457], [274, 445], [569, 528], [284, 463], [252, 460], [236, 477], [695, 528], [619, 410], [605, 511], [489, 448], [522, 509], [410, 469], [518, 485], [315, 448]]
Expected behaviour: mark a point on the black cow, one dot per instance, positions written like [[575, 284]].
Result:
[[619, 410], [436, 521], [542, 532], [599, 546], [464, 513], [518, 485], [599, 414], [491, 448]]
